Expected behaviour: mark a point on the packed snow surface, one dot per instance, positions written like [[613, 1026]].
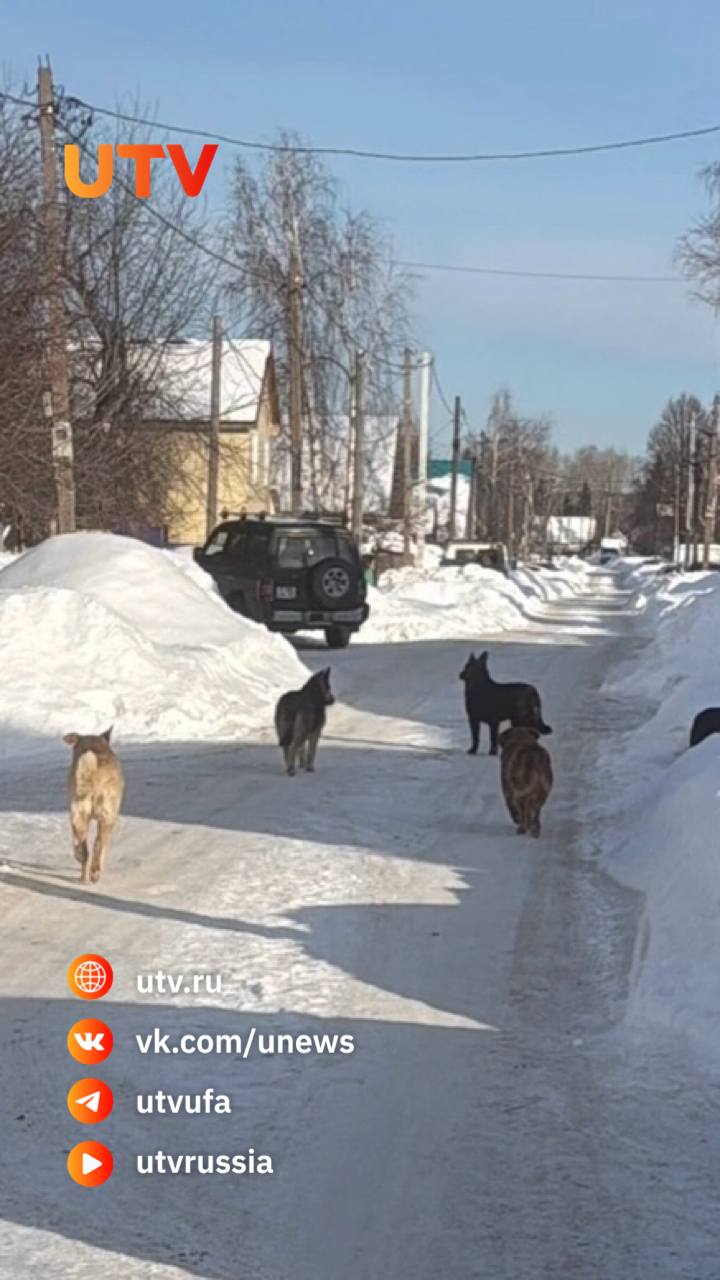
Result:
[[449, 602], [663, 837]]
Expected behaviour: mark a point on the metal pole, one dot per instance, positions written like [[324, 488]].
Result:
[[711, 486], [423, 439], [690, 505], [452, 530], [407, 456]]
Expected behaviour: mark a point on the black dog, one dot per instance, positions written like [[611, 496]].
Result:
[[489, 703], [705, 723]]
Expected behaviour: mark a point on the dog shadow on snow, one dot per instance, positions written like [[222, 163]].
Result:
[[366, 799]]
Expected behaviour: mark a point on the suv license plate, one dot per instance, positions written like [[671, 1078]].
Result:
[[285, 593]]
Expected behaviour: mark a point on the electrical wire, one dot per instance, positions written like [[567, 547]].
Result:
[[536, 275], [456, 268], [406, 157], [441, 393]]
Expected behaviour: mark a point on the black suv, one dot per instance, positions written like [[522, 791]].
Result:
[[291, 574]]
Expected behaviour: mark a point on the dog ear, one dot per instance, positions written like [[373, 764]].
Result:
[[472, 657], [71, 739], [483, 656], [107, 734]]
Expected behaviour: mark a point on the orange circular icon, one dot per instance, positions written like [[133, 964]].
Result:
[[90, 1164], [90, 1041], [90, 977], [90, 1101]]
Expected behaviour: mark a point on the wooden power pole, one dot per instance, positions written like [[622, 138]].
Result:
[[359, 446], [452, 529], [407, 456], [296, 377], [57, 401], [214, 444]]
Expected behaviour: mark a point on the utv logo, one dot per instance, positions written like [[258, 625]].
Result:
[[142, 155]]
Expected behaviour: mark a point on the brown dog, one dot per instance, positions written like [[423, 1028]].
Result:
[[96, 785], [526, 776]]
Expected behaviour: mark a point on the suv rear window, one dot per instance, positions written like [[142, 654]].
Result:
[[299, 548], [217, 543]]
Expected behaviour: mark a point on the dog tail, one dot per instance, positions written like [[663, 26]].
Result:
[[539, 723], [284, 723]]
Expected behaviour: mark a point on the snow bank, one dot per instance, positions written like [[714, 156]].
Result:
[[663, 839], [98, 629], [458, 603]]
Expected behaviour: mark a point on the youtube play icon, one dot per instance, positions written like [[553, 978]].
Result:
[[90, 1164]]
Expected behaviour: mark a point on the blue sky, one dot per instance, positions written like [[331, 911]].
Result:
[[600, 358]]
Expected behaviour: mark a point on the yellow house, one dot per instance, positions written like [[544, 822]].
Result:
[[249, 423]]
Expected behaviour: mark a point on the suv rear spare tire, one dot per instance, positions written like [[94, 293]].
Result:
[[335, 583]]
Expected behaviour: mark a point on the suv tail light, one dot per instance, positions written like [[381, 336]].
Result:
[[264, 589]]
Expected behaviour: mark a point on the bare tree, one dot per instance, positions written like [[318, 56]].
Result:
[[26, 482], [698, 252], [513, 463], [677, 445], [288, 216], [137, 281]]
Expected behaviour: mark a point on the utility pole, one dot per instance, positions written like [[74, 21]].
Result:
[[711, 484], [690, 503], [407, 456], [57, 402], [423, 439], [608, 508], [359, 443], [472, 500], [214, 443], [492, 522], [296, 379], [454, 473]]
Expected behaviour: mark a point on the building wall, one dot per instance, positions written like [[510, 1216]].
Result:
[[244, 472], [243, 480]]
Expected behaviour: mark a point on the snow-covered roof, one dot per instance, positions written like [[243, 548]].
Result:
[[187, 375], [181, 375]]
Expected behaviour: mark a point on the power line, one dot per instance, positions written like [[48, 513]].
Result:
[[397, 156], [536, 275], [438, 387], [456, 268]]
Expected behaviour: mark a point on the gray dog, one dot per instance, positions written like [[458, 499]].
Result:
[[300, 718]]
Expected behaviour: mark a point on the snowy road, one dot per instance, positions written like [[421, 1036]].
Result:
[[495, 1119]]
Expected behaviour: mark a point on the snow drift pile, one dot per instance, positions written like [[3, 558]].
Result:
[[459, 603], [663, 839], [98, 629]]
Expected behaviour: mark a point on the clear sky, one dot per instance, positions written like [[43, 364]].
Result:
[[453, 76]]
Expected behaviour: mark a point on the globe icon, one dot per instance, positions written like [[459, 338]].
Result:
[[90, 977]]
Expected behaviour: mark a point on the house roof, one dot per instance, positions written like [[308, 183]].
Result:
[[187, 374]]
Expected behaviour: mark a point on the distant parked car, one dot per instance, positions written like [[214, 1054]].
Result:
[[290, 574], [491, 555]]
